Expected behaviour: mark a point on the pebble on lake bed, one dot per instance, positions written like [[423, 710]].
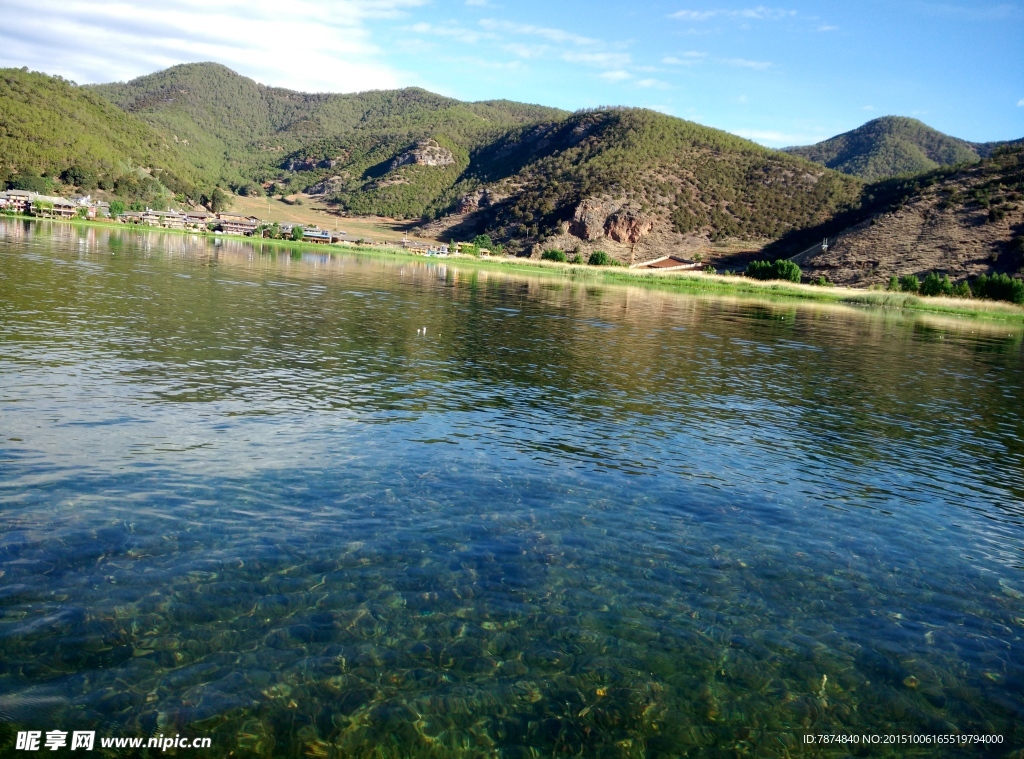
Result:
[[911, 682]]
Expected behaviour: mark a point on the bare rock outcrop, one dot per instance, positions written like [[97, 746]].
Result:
[[594, 219], [589, 219], [299, 164], [474, 201], [328, 186], [628, 226], [424, 153]]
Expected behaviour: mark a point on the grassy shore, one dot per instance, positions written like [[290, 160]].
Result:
[[678, 281]]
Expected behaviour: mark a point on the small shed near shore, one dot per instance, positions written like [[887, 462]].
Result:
[[668, 262]]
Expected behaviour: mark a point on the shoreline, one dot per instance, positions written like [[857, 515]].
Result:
[[682, 282]]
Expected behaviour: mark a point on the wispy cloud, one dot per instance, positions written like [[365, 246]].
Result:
[[743, 63], [525, 49], [760, 13], [452, 30], [651, 83], [601, 60], [693, 58], [689, 58], [617, 75], [1020, 103], [828, 28], [868, 108], [559, 36], [775, 139], [97, 42]]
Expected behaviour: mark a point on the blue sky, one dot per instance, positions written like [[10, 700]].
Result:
[[781, 73]]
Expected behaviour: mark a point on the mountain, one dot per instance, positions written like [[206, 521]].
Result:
[[962, 222], [49, 125], [629, 181], [635, 183], [242, 132], [525, 174], [893, 146]]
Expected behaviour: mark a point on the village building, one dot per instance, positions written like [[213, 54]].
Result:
[[171, 219], [317, 236], [198, 219], [234, 224], [667, 263], [19, 201], [53, 207]]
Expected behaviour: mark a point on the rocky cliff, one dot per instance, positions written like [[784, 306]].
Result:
[[424, 153]]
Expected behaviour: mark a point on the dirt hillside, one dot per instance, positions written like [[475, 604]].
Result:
[[961, 223]]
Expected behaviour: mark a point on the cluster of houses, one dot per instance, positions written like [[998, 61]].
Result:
[[428, 249], [85, 207], [25, 202]]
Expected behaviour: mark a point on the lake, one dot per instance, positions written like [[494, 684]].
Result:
[[310, 505]]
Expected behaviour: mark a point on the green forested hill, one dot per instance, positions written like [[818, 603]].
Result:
[[893, 146], [677, 175], [48, 125], [243, 131], [523, 173], [520, 171]]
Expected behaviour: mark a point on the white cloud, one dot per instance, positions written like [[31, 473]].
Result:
[[525, 50], [777, 139], [868, 108], [601, 60], [99, 42], [760, 13], [690, 58], [615, 76], [743, 63], [653, 84], [828, 28], [559, 36], [452, 30], [1020, 103]]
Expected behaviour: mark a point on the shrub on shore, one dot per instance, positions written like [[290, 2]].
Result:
[[935, 285], [909, 283], [999, 287], [781, 269], [599, 258], [554, 255]]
